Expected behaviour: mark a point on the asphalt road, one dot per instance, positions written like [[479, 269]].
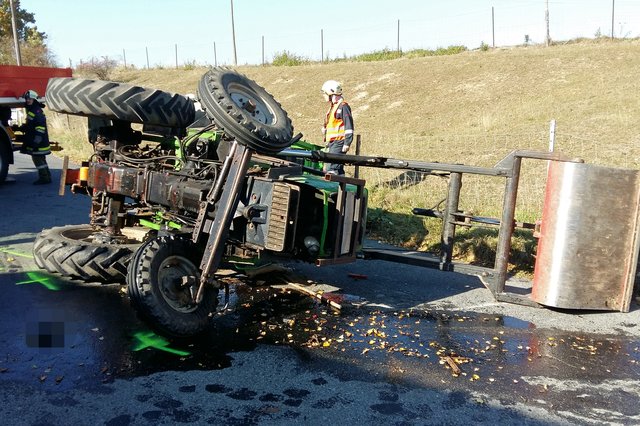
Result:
[[72, 354]]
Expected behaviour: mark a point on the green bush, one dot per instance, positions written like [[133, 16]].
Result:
[[190, 65], [379, 55], [441, 51], [288, 59], [387, 54]]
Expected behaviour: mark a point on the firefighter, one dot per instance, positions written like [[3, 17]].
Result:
[[338, 124], [35, 138]]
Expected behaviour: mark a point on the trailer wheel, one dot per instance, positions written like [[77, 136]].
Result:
[[73, 252], [244, 110], [156, 288], [118, 101]]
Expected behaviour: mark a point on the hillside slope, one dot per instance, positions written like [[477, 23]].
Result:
[[462, 107]]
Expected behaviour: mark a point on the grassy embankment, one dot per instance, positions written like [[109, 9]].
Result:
[[471, 108]]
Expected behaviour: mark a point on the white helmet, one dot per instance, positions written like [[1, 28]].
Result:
[[30, 94], [332, 87]]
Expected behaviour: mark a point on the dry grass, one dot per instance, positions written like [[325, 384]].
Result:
[[472, 108], [71, 132]]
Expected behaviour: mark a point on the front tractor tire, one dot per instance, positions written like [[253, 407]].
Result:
[[245, 110], [73, 252], [162, 281]]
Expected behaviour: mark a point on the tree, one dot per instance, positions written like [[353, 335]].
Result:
[[99, 68], [33, 47]]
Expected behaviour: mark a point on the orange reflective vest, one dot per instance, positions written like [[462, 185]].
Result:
[[334, 124]]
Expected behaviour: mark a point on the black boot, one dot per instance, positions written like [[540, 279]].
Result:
[[44, 176]]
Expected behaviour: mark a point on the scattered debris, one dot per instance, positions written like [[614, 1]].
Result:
[[452, 364], [357, 276], [266, 269], [317, 295]]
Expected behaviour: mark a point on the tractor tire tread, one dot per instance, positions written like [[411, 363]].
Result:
[[81, 260], [118, 101], [150, 304]]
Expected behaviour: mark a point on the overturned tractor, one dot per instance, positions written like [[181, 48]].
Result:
[[191, 192]]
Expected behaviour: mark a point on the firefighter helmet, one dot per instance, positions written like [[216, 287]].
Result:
[[30, 94], [332, 87]]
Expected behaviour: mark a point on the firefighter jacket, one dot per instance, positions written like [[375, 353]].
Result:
[[338, 124], [36, 136]]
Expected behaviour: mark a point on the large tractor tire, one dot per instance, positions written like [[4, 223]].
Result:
[[161, 294], [72, 252], [245, 111], [118, 101]]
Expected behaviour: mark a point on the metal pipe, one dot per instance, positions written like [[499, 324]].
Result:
[[356, 171], [503, 168], [506, 228], [392, 163], [448, 226], [225, 209], [213, 194], [215, 191]]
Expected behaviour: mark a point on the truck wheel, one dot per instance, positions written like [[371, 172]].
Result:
[[245, 111], [118, 101], [72, 252], [156, 289]]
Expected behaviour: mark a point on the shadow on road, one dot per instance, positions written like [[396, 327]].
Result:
[[28, 208]]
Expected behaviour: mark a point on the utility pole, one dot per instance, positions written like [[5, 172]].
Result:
[[613, 14], [546, 18], [493, 28], [215, 55], [233, 35], [321, 46], [124, 58], [146, 50], [14, 27], [398, 49]]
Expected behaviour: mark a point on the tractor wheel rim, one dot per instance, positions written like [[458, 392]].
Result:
[[250, 103], [170, 274]]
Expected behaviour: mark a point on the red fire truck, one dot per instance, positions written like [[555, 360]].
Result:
[[14, 81]]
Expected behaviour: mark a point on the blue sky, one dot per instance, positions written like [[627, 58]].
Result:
[[119, 29]]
